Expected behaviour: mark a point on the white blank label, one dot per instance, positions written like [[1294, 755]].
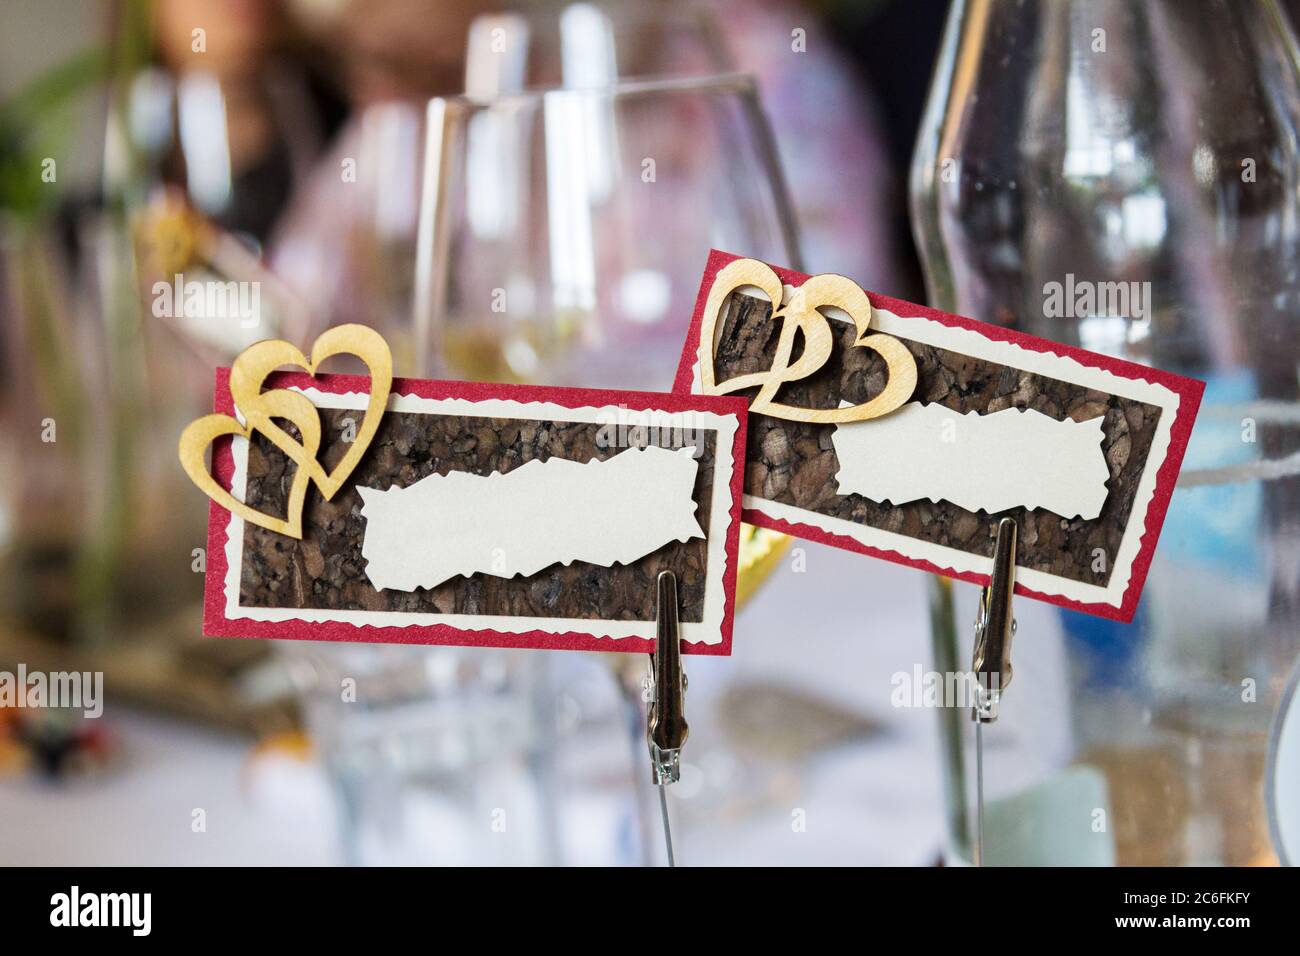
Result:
[[1007, 459], [541, 513]]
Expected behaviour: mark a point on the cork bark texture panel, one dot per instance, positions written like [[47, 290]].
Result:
[[794, 463], [325, 569]]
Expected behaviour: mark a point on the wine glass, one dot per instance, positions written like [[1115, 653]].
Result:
[[592, 44], [563, 234]]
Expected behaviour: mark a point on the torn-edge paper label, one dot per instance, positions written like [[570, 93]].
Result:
[[534, 516], [1007, 459]]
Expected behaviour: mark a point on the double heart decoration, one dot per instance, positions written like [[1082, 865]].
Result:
[[259, 409], [800, 314]]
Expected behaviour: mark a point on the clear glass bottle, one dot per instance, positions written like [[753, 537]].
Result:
[[1068, 147]]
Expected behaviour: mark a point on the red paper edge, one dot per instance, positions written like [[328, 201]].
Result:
[[216, 624], [1189, 391]]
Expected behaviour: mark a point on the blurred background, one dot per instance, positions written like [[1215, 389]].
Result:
[[527, 192]]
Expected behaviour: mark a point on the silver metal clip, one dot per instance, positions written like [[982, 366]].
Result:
[[994, 627], [667, 729]]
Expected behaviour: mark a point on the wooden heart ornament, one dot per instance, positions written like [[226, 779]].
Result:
[[260, 409], [800, 314]]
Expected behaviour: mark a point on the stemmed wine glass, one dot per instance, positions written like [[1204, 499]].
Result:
[[562, 237]]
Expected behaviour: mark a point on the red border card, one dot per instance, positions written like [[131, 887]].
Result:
[[1188, 391], [216, 623]]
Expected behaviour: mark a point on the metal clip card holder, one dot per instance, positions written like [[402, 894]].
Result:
[[666, 729], [991, 663]]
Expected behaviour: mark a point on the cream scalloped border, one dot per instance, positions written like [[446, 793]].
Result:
[[1051, 365], [708, 631]]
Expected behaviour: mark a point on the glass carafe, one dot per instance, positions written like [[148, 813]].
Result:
[[1124, 176]]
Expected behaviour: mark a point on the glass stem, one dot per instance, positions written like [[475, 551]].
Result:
[[946, 648]]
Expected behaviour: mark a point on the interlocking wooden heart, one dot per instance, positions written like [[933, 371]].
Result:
[[260, 408], [801, 314]]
